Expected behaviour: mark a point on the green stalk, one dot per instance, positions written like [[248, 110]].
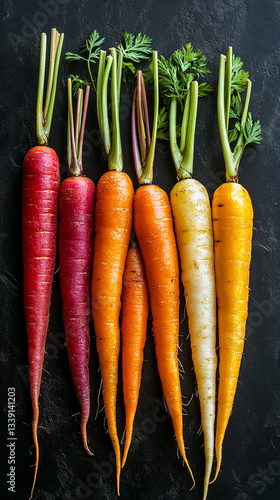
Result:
[[40, 132], [175, 151], [115, 161], [228, 156], [185, 123], [54, 44], [44, 118], [90, 74], [100, 76], [119, 73], [102, 99], [186, 169], [148, 170], [54, 84], [228, 84]]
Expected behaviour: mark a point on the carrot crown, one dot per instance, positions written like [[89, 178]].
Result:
[[142, 143], [75, 133], [44, 114], [232, 81], [183, 156], [112, 140]]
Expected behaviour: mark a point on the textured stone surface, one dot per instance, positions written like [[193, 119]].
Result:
[[251, 461]]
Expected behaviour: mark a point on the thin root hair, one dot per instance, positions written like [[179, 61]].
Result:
[[104, 425], [123, 436], [190, 400], [98, 399], [199, 432]]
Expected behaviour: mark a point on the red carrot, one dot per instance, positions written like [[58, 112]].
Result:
[[39, 226], [76, 206]]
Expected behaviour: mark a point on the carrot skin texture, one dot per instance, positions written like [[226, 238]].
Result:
[[39, 228], [135, 309], [76, 210], [153, 226], [113, 221], [193, 226], [233, 226]]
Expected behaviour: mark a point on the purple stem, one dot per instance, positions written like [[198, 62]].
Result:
[[135, 146], [145, 109], [74, 155], [82, 133], [78, 113], [141, 131]]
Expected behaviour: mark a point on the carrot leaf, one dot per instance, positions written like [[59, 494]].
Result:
[[252, 131], [134, 50], [91, 48]]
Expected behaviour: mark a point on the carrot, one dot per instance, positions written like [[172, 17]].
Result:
[[194, 233], [135, 308], [76, 207], [153, 226], [113, 221], [39, 226], [232, 222]]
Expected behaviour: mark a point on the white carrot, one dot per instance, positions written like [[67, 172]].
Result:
[[193, 228]]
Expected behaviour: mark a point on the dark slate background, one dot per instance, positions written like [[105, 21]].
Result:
[[251, 461]]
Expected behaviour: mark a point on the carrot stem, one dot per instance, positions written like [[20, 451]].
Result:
[[115, 161], [83, 125], [231, 158], [78, 118], [185, 123], [75, 134], [41, 137], [141, 101], [228, 158], [73, 166], [44, 117], [228, 71], [135, 147], [102, 99], [175, 151], [53, 49], [148, 171], [144, 165], [186, 169]]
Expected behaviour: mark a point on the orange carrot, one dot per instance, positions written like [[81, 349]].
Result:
[[232, 224], [153, 226], [113, 222], [135, 308]]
